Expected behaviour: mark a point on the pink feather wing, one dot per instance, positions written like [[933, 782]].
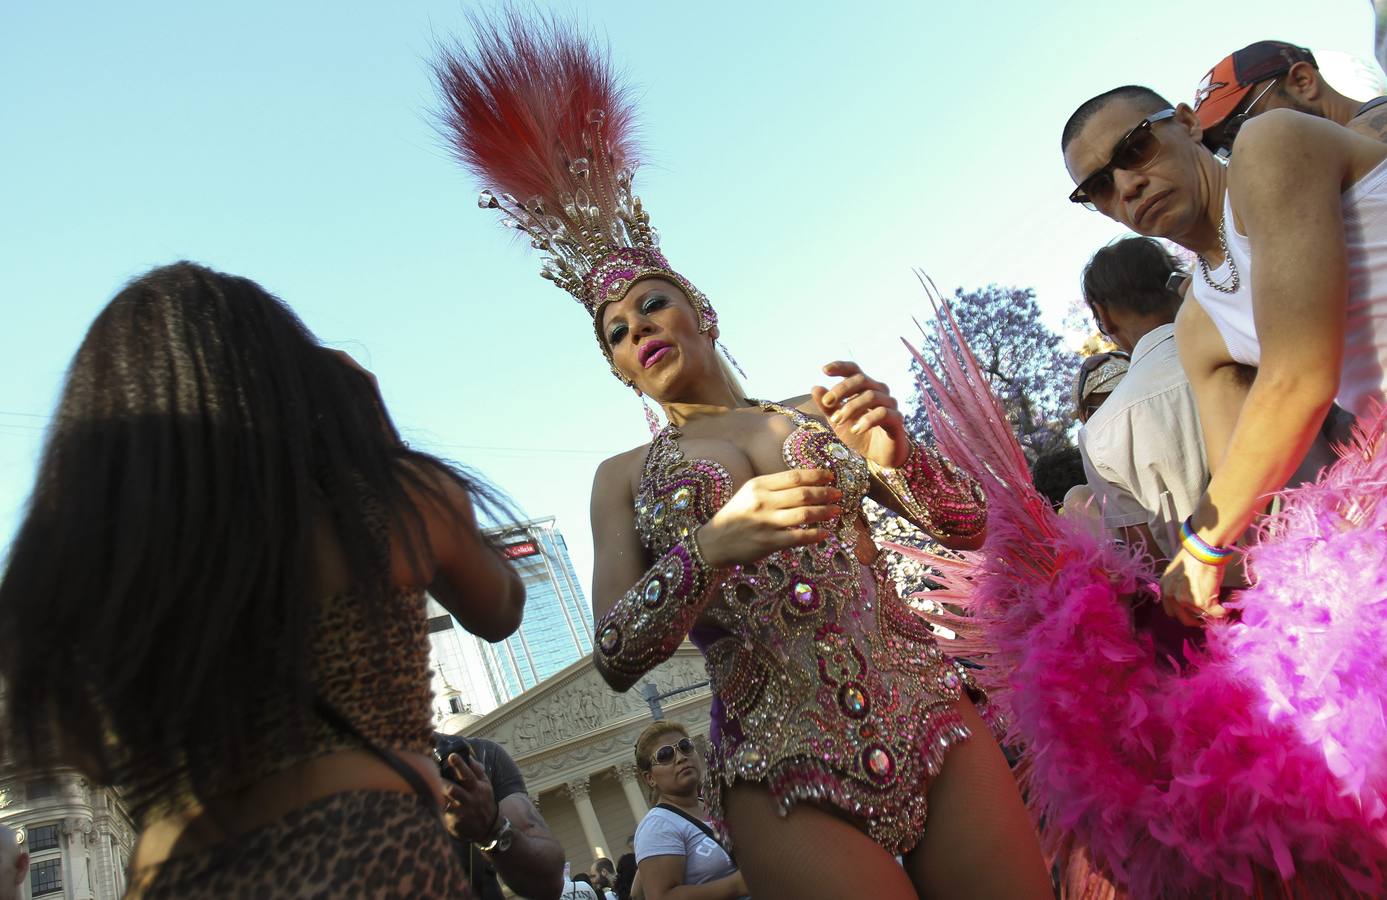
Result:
[[1253, 764]]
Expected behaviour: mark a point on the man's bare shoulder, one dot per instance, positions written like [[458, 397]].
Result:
[[1371, 124], [1265, 133], [1282, 148]]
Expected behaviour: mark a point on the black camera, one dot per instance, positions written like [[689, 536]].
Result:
[[444, 746]]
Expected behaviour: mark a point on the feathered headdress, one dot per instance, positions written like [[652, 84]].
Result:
[[535, 112]]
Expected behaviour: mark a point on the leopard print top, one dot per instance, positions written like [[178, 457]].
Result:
[[368, 651]]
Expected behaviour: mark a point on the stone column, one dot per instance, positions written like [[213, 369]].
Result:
[[597, 842], [629, 776]]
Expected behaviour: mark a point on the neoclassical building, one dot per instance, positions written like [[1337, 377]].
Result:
[[573, 738], [79, 836]]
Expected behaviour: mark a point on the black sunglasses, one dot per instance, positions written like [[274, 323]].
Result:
[[1136, 150], [665, 755]]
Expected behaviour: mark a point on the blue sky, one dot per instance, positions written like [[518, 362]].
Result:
[[802, 158]]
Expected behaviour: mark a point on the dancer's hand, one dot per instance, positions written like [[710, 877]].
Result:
[[769, 513], [1189, 590], [864, 415]]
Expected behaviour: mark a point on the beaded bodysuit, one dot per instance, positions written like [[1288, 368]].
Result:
[[827, 687]]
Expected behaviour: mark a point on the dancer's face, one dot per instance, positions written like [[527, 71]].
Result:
[[1162, 197], [653, 335], [681, 773]]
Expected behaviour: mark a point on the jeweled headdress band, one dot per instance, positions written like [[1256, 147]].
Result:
[[535, 112]]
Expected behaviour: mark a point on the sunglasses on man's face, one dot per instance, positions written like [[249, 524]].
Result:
[[665, 755], [1137, 149]]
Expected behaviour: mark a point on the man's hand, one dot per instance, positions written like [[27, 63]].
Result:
[[1189, 590], [469, 807]]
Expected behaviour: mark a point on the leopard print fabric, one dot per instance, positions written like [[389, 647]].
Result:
[[368, 657], [369, 844]]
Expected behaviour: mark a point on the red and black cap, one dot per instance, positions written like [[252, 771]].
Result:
[[1228, 82]]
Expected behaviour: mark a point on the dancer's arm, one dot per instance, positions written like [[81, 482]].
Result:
[[909, 478], [1286, 187], [464, 572], [654, 608]]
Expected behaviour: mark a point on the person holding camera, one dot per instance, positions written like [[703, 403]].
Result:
[[496, 826]]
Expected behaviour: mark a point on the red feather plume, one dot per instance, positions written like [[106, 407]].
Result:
[[517, 106]]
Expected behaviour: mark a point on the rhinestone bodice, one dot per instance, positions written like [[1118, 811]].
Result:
[[678, 494], [827, 686]]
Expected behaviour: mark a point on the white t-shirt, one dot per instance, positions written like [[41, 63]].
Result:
[[578, 890], [663, 833]]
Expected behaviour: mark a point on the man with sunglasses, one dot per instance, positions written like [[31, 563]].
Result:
[[1302, 296], [1275, 75]]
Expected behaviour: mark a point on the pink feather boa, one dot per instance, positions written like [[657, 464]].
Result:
[[1258, 761]]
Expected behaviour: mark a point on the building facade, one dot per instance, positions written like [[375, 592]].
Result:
[[573, 738], [474, 676], [79, 836]]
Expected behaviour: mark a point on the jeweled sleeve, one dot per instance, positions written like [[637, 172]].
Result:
[[648, 623], [937, 495]]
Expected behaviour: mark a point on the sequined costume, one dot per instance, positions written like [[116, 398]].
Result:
[[827, 686]]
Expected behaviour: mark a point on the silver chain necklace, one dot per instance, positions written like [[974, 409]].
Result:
[[1225, 286]]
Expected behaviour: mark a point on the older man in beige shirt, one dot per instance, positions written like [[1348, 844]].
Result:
[[1143, 449]]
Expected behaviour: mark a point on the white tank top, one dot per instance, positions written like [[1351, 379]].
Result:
[[1362, 379]]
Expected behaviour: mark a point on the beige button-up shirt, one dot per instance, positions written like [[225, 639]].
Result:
[[1144, 440]]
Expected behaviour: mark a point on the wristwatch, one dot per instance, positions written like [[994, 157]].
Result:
[[501, 841]]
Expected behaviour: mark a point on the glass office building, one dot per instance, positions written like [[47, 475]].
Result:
[[472, 675]]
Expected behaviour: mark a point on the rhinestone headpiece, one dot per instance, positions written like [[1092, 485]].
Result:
[[535, 112]]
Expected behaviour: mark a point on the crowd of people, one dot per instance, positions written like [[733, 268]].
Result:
[[1254, 381], [247, 517]]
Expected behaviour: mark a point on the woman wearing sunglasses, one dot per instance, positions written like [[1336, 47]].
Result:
[[678, 856]]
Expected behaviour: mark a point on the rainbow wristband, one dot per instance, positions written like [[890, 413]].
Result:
[[1201, 549]]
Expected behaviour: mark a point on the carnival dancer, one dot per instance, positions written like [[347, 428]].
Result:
[[837, 721], [1251, 764]]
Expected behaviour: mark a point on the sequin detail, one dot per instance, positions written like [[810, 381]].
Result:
[[813, 445], [939, 496], [831, 689], [650, 621]]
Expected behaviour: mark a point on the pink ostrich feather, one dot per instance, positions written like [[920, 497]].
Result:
[[1247, 761]]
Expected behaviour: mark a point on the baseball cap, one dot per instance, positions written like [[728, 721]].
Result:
[[1228, 82], [1099, 374]]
